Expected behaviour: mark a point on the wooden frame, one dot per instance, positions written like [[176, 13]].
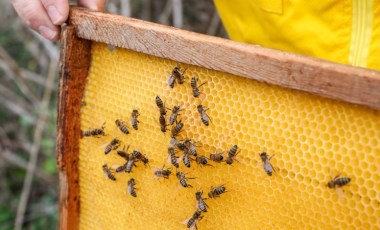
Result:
[[74, 65], [327, 79]]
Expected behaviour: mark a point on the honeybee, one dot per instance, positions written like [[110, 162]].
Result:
[[268, 168], [134, 121], [163, 123], [186, 159], [196, 91], [165, 173], [217, 157], [176, 129], [202, 160], [192, 148], [178, 144], [176, 75], [129, 165], [160, 105], [171, 80], [192, 221], [141, 157], [124, 154], [183, 179], [216, 191], [94, 132], [114, 144], [119, 123], [338, 182], [131, 189], [175, 112], [174, 142], [108, 173], [202, 112], [201, 204], [232, 154], [121, 168], [172, 157]]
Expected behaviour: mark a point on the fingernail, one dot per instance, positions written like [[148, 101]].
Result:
[[47, 32], [54, 15]]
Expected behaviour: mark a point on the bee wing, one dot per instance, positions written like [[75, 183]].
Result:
[[121, 167], [268, 167], [104, 145], [115, 166], [179, 159], [196, 204], [186, 221], [339, 191], [154, 168]]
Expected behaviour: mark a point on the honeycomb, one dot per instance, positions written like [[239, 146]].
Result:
[[313, 139]]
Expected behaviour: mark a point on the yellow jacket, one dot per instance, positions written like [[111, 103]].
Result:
[[337, 30]]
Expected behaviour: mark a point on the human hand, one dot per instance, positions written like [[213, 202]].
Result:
[[46, 16]]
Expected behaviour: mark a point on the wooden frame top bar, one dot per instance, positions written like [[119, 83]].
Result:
[[324, 78]]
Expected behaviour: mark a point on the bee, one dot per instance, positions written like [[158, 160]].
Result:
[[182, 179], [178, 144], [232, 154], [171, 80], [176, 75], [196, 91], [202, 160], [134, 121], [163, 123], [160, 105], [201, 204], [129, 165], [216, 191], [186, 159], [108, 173], [174, 142], [131, 189], [172, 157], [175, 112], [176, 129], [122, 126], [338, 182], [114, 144], [124, 154], [165, 173], [94, 132], [121, 168], [268, 168], [217, 157], [192, 221], [192, 148], [139, 156], [202, 112]]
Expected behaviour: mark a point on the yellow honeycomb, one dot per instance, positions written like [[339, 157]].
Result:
[[313, 140]]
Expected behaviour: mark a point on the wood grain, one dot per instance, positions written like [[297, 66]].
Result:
[[74, 66], [324, 78]]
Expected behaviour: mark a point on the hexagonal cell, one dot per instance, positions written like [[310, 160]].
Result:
[[313, 140]]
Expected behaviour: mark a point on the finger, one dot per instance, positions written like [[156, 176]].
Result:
[[93, 4], [58, 11], [34, 15]]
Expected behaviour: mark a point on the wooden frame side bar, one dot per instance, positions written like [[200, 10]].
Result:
[[324, 78], [74, 66]]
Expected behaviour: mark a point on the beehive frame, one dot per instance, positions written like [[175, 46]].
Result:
[[327, 79]]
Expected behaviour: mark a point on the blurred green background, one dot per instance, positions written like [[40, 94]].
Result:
[[29, 181]]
